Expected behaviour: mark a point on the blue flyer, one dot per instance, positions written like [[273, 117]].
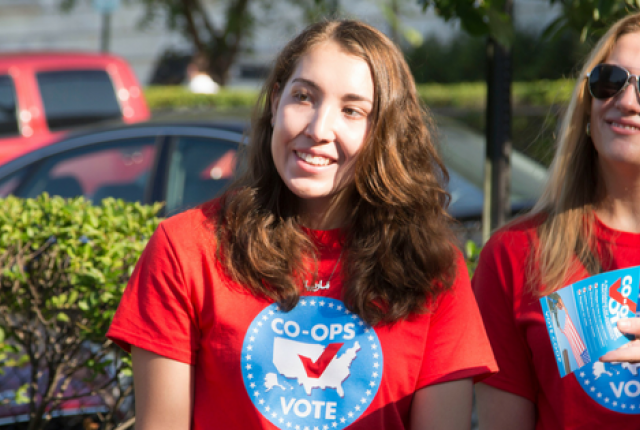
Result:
[[581, 318]]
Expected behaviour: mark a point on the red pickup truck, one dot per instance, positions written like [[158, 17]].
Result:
[[43, 94]]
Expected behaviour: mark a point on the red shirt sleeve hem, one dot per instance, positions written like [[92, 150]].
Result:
[[125, 340], [477, 373], [509, 388]]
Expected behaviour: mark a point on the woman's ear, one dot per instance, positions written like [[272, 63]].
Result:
[[275, 99]]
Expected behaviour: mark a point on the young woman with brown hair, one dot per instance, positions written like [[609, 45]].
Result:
[[586, 222], [323, 290]]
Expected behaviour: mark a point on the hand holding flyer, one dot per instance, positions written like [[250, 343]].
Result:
[[581, 318]]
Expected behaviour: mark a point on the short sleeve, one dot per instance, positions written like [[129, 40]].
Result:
[[156, 311], [457, 346], [496, 283]]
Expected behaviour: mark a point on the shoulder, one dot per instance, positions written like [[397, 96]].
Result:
[[518, 237], [194, 218], [460, 284], [191, 227], [505, 259]]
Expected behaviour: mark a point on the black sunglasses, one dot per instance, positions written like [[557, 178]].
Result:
[[607, 80]]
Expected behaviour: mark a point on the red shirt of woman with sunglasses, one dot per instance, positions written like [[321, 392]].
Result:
[[586, 222]]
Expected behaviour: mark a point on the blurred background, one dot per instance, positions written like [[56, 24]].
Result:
[[172, 46], [149, 101], [152, 37]]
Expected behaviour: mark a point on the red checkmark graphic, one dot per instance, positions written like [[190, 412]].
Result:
[[617, 296], [316, 368]]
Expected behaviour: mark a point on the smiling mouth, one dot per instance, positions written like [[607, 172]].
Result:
[[313, 160], [623, 126]]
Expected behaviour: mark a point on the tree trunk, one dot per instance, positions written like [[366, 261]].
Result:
[[497, 177], [225, 48]]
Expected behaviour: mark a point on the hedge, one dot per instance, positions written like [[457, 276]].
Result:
[[63, 267], [462, 95], [178, 97]]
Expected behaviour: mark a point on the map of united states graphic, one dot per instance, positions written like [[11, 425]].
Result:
[[314, 365]]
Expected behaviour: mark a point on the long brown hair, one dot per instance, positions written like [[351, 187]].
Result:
[[399, 253], [571, 192]]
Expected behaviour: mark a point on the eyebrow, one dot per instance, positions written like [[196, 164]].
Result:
[[347, 97]]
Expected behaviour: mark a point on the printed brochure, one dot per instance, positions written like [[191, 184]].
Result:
[[581, 318]]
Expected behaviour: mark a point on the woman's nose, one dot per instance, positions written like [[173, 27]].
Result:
[[321, 127], [628, 100]]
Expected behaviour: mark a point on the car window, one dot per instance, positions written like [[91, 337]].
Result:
[[9, 184], [199, 170], [8, 109], [117, 169], [466, 198], [79, 97]]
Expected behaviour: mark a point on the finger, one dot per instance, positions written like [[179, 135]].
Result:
[[629, 325], [627, 353]]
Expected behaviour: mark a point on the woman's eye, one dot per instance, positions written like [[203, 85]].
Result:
[[301, 97], [352, 112]]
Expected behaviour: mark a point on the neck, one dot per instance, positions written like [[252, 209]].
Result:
[[324, 214], [619, 207]]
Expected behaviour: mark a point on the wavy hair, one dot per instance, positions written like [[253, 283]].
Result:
[[570, 195], [399, 249]]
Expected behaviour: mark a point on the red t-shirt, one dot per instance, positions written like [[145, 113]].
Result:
[[315, 367], [599, 395]]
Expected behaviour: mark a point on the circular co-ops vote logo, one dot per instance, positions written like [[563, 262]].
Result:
[[616, 386], [317, 366]]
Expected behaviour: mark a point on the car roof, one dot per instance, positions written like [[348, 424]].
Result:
[[44, 57], [58, 61], [463, 151]]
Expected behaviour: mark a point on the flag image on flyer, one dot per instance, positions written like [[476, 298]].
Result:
[[581, 318]]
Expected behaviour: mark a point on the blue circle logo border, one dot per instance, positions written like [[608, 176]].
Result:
[[257, 363], [596, 389]]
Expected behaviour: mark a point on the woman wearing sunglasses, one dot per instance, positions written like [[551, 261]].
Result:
[[586, 222]]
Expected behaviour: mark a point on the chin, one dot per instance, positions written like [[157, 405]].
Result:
[[311, 195], [308, 191]]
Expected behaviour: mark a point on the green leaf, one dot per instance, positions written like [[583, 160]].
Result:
[[73, 296], [501, 28], [474, 22], [21, 395], [471, 249], [413, 36]]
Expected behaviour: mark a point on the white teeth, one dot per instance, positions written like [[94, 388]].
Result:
[[626, 127], [316, 161]]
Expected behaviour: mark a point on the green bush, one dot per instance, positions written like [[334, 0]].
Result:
[[63, 267], [473, 95], [179, 97], [462, 95], [543, 93], [465, 95]]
